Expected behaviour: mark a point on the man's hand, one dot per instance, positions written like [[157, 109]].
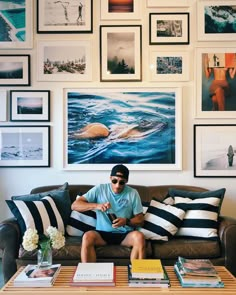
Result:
[[103, 207], [120, 221]]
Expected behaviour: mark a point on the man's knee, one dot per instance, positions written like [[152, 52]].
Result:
[[89, 238], [138, 238]]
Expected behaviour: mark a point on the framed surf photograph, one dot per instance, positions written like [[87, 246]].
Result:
[[120, 10], [169, 3], [120, 53], [63, 17], [24, 146], [138, 127], [32, 105], [216, 20], [214, 150], [16, 23]]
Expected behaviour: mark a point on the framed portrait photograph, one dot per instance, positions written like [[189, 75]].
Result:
[[64, 61], [63, 17], [214, 150], [140, 127], [216, 20], [168, 28], [3, 105], [14, 70], [16, 23], [120, 53], [25, 146], [169, 3], [216, 83], [120, 10], [169, 66], [32, 105]]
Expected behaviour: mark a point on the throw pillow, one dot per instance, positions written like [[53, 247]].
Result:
[[60, 196], [202, 211], [145, 206], [161, 221], [81, 222], [36, 214]]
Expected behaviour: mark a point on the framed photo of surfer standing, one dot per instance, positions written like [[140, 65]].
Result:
[[140, 127]]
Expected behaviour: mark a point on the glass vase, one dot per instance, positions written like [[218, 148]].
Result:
[[44, 257]]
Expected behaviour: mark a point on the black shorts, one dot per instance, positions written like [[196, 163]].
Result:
[[112, 238]]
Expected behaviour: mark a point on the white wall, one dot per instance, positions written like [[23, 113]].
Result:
[[15, 181]]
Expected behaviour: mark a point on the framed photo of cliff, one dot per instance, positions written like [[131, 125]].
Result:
[[63, 17], [120, 53], [169, 3], [214, 150], [216, 82], [216, 20], [140, 127]]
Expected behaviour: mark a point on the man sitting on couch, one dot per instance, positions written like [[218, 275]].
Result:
[[119, 211]]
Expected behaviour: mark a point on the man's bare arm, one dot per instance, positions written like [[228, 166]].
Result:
[[81, 204]]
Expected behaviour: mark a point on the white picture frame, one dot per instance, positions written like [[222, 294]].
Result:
[[169, 3], [3, 105]]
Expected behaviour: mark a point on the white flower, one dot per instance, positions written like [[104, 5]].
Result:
[[30, 239], [56, 237]]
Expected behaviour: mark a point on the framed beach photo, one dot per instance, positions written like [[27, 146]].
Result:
[[169, 28], [216, 83], [32, 105], [24, 146], [140, 127], [169, 66], [3, 105], [16, 23], [64, 61], [169, 3], [216, 20], [120, 53], [214, 150], [14, 70], [63, 17], [120, 10]]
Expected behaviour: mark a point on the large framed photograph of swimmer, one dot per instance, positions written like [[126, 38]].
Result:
[[214, 150], [62, 17], [216, 20], [16, 24], [139, 127], [216, 82]]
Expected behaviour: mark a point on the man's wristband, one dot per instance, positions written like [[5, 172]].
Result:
[[128, 222]]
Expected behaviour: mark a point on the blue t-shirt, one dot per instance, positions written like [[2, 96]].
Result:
[[126, 204]]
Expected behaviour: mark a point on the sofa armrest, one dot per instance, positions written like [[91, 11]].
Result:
[[227, 234], [10, 239]]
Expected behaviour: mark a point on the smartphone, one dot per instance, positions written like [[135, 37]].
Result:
[[111, 216]]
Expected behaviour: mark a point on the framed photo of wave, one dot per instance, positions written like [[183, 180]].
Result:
[[24, 146], [16, 23], [141, 128], [169, 3], [32, 105], [216, 20]]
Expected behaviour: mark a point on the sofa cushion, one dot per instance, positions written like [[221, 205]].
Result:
[[60, 196], [36, 214], [161, 221], [202, 211], [80, 222]]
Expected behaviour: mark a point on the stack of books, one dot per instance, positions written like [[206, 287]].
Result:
[[34, 276], [147, 273], [197, 273], [94, 274]]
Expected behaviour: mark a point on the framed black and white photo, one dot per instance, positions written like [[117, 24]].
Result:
[[214, 150], [120, 10], [64, 61], [169, 3], [216, 20], [169, 66], [3, 105], [14, 70], [120, 53], [16, 23], [63, 17], [169, 28], [24, 146], [32, 105]]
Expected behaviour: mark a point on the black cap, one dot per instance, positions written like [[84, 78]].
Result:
[[120, 171]]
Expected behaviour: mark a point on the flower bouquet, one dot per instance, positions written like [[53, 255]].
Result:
[[44, 243]]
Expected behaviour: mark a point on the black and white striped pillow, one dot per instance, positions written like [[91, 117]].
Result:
[[202, 211], [81, 222], [36, 214], [161, 221]]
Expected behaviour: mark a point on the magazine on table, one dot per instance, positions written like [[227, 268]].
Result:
[[147, 268]]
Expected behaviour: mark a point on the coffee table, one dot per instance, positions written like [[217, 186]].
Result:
[[61, 285]]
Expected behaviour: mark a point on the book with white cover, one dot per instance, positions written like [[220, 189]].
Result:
[[33, 276], [94, 272]]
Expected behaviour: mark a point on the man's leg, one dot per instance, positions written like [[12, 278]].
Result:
[[136, 240], [90, 240]]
